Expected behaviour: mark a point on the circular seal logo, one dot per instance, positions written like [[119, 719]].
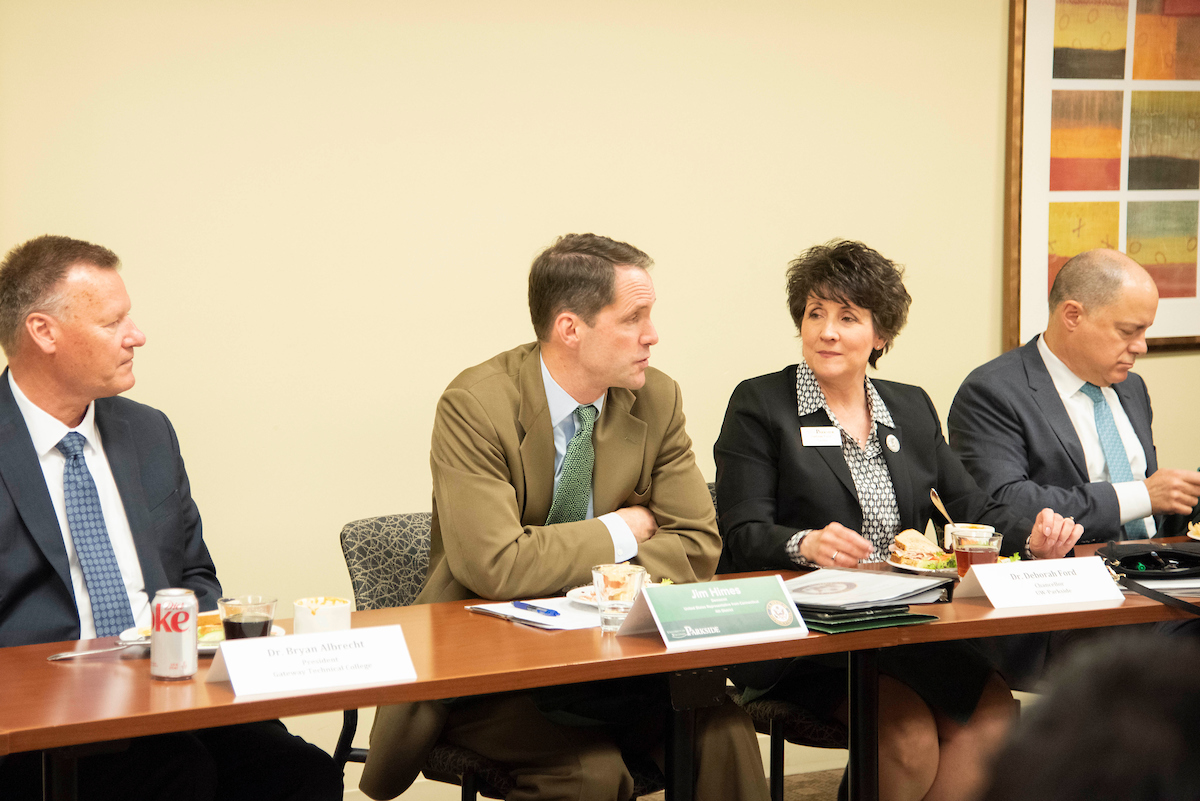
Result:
[[779, 612], [827, 588]]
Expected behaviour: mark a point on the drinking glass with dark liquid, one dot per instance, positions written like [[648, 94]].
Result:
[[246, 616], [975, 549]]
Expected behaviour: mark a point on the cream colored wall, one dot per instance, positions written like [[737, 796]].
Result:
[[326, 210]]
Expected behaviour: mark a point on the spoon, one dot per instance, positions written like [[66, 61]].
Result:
[[937, 501], [74, 654]]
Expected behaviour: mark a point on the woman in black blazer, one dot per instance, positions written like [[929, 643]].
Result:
[[818, 466]]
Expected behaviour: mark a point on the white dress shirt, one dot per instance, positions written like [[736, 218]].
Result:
[[1133, 498], [46, 432], [562, 417]]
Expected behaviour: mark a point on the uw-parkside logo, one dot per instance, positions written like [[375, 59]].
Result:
[[779, 612]]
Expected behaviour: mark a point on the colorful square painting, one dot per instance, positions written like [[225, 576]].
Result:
[[1089, 38], [1161, 236], [1076, 227], [1085, 140], [1166, 40], [1164, 140]]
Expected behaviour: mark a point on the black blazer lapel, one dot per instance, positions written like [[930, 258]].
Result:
[[832, 454], [1134, 403], [22, 476], [1050, 404], [898, 468], [123, 460]]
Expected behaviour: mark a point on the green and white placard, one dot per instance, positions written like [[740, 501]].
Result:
[[716, 613]]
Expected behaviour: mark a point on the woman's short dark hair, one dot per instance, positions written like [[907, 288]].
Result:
[[850, 272], [577, 274]]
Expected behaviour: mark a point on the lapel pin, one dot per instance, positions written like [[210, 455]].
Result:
[[893, 443]]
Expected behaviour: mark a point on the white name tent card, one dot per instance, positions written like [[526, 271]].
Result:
[[1041, 582], [314, 662], [716, 613]]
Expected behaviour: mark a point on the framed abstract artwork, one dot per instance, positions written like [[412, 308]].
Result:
[[1103, 150]]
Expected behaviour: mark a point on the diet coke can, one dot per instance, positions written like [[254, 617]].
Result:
[[173, 638]]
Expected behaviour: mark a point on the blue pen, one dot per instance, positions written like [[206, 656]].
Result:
[[541, 610]]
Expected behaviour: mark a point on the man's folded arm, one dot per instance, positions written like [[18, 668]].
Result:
[[686, 546], [487, 548]]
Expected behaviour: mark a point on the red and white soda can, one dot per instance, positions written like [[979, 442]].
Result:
[[173, 637]]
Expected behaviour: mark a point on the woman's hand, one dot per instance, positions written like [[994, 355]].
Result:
[[1053, 535], [835, 545]]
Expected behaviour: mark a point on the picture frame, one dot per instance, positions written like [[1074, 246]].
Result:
[[1102, 149]]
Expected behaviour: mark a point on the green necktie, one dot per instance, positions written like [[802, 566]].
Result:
[[575, 484]]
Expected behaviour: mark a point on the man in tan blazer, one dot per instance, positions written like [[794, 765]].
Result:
[[507, 443]]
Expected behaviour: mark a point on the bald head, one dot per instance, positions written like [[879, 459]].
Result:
[[1101, 305], [1095, 278]]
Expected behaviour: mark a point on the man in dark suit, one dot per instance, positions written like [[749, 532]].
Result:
[[548, 459], [1035, 426], [96, 515], [1062, 422]]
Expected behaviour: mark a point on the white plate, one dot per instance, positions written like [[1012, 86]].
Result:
[[135, 636], [949, 572], [585, 596], [1194, 534]]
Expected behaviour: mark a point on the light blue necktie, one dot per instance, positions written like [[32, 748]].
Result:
[[1114, 451], [106, 589], [575, 483]]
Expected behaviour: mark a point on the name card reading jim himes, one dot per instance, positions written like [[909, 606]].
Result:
[[312, 662], [1041, 582]]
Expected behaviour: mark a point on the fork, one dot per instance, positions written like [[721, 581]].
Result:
[[74, 654]]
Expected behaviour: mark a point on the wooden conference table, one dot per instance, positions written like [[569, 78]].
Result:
[[59, 705]]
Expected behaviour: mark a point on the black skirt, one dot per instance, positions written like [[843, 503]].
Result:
[[948, 676]]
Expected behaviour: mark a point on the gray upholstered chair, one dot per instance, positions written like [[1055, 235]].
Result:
[[388, 558], [785, 721]]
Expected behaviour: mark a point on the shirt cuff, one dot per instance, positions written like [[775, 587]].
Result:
[[1133, 500], [793, 548], [625, 545]]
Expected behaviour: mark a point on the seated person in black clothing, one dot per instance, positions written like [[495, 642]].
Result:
[[1110, 727], [72, 453], [819, 466]]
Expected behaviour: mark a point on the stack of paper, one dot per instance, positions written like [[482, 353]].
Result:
[[570, 615], [837, 589]]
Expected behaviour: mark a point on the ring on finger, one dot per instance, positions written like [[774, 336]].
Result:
[[834, 557]]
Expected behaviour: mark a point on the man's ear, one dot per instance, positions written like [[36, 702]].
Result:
[[43, 331], [566, 329], [1072, 312]]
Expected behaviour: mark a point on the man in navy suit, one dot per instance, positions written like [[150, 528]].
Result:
[[1062, 422], [1027, 429], [69, 339]]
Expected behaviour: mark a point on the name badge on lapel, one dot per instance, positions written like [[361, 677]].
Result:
[[820, 436]]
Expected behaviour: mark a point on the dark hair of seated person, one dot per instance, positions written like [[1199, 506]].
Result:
[[851, 272], [1120, 721]]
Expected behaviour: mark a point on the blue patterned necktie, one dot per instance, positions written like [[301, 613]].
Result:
[[575, 484], [1114, 451], [106, 589]]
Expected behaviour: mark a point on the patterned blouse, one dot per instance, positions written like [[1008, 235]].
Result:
[[872, 482]]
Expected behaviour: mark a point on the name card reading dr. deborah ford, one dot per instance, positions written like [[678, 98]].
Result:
[[716, 613], [1042, 582], [313, 662]]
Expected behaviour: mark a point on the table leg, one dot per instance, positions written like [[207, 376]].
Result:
[[690, 690], [864, 725], [60, 775]]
